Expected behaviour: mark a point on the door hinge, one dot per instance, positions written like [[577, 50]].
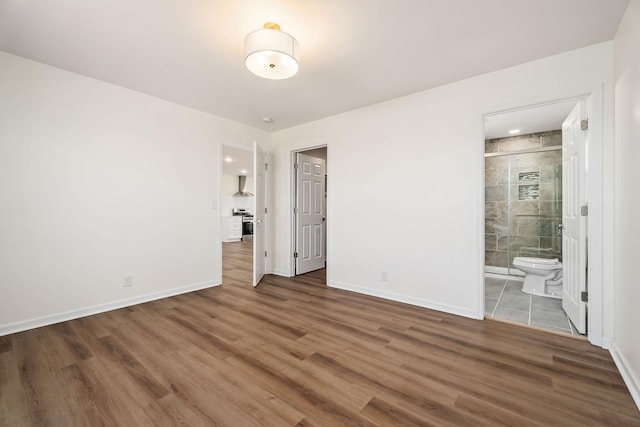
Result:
[[584, 296], [265, 210], [584, 124], [265, 254], [295, 210], [295, 166], [266, 166], [295, 254], [584, 210]]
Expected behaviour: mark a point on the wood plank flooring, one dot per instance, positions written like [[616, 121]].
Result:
[[293, 352]]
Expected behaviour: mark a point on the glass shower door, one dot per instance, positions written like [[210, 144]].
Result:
[[535, 206]]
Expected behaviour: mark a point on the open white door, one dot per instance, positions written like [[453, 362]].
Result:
[[574, 253], [310, 214], [259, 253]]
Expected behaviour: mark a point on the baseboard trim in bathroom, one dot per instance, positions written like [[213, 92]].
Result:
[[504, 277], [503, 271]]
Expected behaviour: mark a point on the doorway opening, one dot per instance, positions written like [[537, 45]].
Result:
[[237, 194], [535, 237], [309, 199]]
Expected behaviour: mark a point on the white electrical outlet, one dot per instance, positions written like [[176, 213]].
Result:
[[127, 281], [384, 276]]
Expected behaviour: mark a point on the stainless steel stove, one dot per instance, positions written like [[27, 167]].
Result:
[[247, 220]]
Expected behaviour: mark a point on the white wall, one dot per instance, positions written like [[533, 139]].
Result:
[[627, 198], [229, 188], [98, 182], [406, 180], [320, 153]]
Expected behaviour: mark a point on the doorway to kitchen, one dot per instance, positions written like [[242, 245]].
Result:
[[309, 199], [237, 195]]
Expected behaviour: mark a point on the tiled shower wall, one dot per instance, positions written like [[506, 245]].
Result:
[[523, 199]]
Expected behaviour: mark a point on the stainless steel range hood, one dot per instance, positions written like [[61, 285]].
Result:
[[242, 187]]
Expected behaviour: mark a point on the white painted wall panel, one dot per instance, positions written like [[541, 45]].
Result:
[[405, 180], [98, 182], [627, 197]]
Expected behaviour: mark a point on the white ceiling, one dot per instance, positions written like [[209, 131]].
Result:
[[236, 161], [528, 120], [353, 53]]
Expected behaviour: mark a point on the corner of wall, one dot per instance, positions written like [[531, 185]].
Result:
[[630, 377], [420, 302], [101, 308]]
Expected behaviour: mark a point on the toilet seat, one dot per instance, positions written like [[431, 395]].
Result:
[[543, 276]]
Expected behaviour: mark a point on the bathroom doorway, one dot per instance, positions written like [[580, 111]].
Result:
[[524, 217]]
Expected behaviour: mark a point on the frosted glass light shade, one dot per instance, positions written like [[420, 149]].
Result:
[[271, 53]]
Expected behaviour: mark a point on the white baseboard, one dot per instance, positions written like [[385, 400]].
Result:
[[279, 272], [100, 308], [504, 277], [461, 311], [503, 271], [629, 376]]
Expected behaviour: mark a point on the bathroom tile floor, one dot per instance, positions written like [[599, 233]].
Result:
[[505, 300]]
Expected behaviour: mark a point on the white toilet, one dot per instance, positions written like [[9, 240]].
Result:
[[543, 276]]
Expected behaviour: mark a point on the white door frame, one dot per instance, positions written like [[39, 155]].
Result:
[[292, 204], [599, 244], [313, 218]]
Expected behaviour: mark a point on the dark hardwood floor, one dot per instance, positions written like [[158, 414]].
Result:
[[294, 352]]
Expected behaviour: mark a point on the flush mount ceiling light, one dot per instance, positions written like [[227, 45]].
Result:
[[271, 53]]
